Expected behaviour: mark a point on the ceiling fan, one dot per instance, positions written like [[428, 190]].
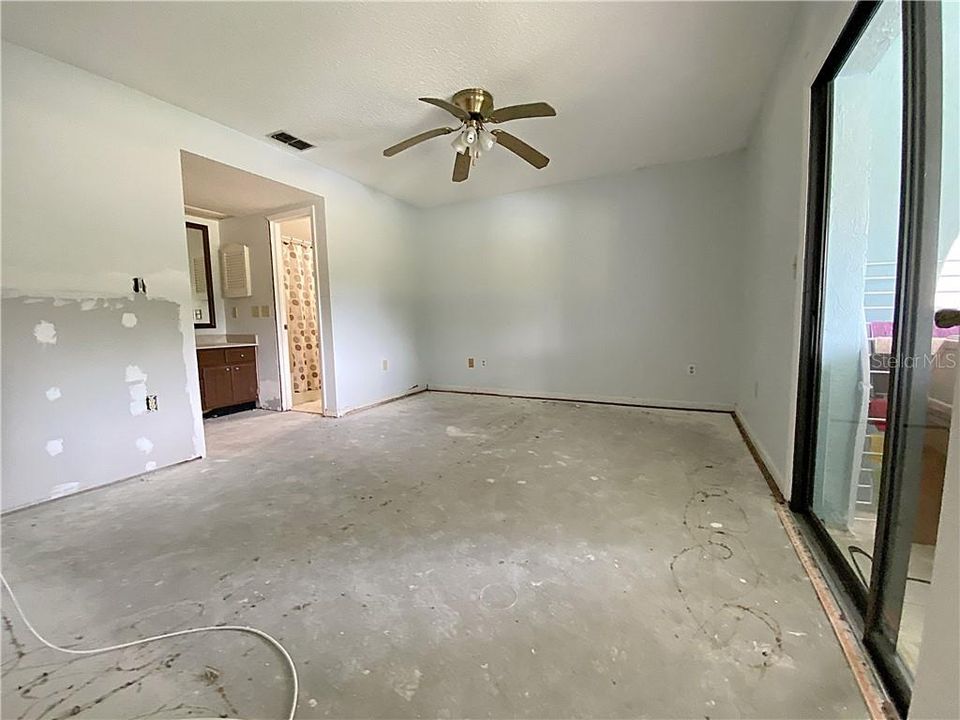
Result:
[[474, 108]]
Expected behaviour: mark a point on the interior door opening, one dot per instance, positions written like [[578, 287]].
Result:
[[245, 283]]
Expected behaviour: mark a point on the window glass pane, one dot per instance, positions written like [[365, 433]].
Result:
[[863, 209]]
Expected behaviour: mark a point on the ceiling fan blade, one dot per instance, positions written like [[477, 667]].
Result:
[[410, 142], [461, 167], [519, 147], [515, 112], [449, 107]]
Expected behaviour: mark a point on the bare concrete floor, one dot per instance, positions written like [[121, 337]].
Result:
[[441, 556]]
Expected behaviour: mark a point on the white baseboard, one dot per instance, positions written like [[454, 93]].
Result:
[[586, 398], [416, 389], [771, 468]]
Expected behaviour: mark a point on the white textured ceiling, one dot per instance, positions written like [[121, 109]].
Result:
[[634, 84], [226, 191]]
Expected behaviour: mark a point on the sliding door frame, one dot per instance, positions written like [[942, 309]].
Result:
[[913, 311], [877, 609]]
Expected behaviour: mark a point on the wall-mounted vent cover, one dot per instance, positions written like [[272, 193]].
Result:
[[288, 139], [235, 268]]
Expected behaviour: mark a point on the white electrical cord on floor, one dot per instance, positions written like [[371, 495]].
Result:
[[210, 628]]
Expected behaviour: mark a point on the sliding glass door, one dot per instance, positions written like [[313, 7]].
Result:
[[880, 345]]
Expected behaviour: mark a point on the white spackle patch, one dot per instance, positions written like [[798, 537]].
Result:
[[716, 525], [53, 393], [561, 463], [128, 320], [151, 465], [88, 305], [134, 374], [521, 482], [454, 431], [491, 480], [796, 634], [138, 398], [405, 684], [594, 477], [144, 445], [311, 702], [54, 447], [64, 489], [45, 333]]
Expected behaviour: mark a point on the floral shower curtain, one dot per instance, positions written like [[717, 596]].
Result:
[[302, 325]]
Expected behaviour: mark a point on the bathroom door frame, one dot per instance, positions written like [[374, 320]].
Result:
[[918, 238], [280, 303]]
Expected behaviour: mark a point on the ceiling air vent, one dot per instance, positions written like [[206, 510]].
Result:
[[288, 139]]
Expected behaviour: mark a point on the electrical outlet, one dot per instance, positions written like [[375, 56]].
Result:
[[471, 363], [198, 314], [385, 365], [483, 363], [152, 403], [234, 312], [691, 369]]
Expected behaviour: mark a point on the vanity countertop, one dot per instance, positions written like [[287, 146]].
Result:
[[219, 342], [221, 345]]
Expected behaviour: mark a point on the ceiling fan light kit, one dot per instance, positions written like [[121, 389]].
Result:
[[474, 108]]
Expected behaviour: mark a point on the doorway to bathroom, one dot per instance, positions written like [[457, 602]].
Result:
[[297, 295]]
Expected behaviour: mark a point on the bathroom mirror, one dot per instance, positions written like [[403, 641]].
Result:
[[201, 275]]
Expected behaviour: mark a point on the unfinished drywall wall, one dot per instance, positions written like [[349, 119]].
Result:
[[77, 374], [92, 198], [603, 289]]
